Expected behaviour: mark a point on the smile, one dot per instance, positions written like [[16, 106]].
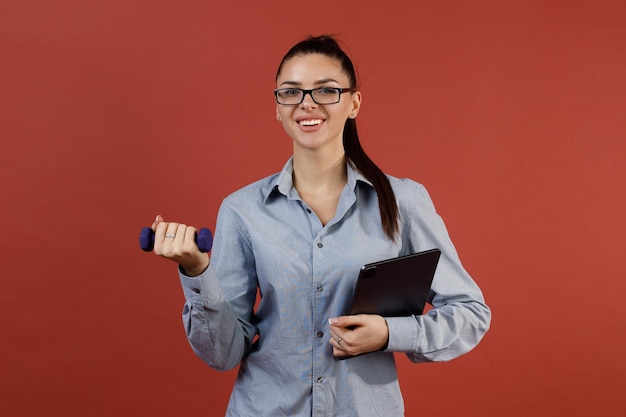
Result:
[[310, 122]]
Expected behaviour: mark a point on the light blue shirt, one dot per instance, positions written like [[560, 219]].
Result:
[[267, 238]]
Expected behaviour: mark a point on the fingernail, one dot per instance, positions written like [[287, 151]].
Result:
[[156, 219], [332, 320]]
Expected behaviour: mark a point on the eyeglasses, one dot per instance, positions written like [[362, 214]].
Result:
[[323, 95]]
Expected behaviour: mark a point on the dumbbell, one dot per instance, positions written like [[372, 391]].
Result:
[[204, 239]]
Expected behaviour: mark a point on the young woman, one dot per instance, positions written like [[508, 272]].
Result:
[[300, 237]]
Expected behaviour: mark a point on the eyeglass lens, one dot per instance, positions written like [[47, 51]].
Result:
[[319, 95]]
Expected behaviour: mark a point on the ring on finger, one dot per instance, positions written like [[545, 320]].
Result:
[[170, 235], [339, 339]]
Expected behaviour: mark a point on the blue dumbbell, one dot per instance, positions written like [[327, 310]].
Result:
[[204, 239]]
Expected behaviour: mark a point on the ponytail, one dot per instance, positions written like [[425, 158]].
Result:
[[386, 198]]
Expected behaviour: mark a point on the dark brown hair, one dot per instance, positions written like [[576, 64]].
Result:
[[328, 46]]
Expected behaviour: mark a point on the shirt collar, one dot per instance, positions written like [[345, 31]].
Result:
[[283, 182]]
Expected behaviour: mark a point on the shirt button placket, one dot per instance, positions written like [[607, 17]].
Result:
[[319, 289], [319, 309]]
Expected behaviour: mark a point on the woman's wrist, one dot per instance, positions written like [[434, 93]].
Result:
[[195, 270]]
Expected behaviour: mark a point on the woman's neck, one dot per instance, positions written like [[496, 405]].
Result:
[[320, 182], [314, 174]]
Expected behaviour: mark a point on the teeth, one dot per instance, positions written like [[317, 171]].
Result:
[[310, 122]]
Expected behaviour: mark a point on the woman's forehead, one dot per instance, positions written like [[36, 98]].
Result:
[[311, 68]]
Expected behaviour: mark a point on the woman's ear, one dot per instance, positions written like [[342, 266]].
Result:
[[356, 104], [277, 114]]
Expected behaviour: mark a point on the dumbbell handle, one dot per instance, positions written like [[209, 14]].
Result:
[[204, 239]]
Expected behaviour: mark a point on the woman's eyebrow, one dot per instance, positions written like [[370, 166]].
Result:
[[318, 82], [326, 81], [294, 83]]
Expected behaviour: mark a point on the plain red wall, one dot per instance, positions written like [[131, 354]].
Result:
[[512, 113]]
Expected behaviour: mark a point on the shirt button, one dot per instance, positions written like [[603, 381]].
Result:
[[320, 379], [320, 288], [320, 334], [308, 210], [320, 245], [196, 290]]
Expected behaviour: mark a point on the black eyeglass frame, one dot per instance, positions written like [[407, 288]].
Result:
[[310, 92]]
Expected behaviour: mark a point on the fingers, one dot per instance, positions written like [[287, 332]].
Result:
[[339, 349], [347, 321], [177, 242], [358, 334], [189, 236], [340, 340], [158, 220], [173, 240]]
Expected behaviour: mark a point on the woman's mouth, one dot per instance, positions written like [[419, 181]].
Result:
[[310, 122]]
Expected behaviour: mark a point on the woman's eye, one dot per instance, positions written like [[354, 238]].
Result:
[[327, 91], [290, 92]]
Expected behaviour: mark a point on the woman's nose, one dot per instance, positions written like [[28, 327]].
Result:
[[307, 101]]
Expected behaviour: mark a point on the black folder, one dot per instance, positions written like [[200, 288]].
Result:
[[396, 287]]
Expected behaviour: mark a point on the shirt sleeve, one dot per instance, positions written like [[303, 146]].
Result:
[[218, 309], [459, 317]]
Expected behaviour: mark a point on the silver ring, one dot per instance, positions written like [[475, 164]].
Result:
[[172, 235], [339, 339]]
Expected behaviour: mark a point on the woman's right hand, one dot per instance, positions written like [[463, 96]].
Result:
[[176, 241]]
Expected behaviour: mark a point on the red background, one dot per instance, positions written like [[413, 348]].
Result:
[[510, 112]]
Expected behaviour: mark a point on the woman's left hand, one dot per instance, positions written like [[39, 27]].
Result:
[[358, 334]]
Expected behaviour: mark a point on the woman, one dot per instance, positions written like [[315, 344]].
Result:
[[300, 238]]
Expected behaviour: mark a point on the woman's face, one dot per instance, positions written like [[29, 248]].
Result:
[[316, 126]]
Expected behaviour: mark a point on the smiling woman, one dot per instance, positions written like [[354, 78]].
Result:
[[339, 65], [303, 82], [299, 238]]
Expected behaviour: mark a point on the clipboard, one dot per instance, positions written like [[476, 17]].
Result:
[[396, 287]]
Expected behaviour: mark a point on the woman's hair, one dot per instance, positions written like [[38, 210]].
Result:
[[329, 47]]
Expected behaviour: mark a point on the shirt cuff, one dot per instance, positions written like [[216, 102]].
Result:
[[202, 289], [402, 334]]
